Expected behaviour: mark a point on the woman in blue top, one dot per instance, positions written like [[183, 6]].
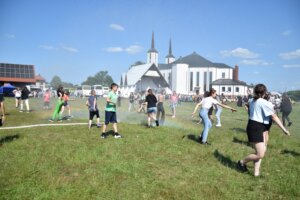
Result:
[[260, 113]]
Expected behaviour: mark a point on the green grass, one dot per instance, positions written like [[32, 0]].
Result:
[[159, 163]]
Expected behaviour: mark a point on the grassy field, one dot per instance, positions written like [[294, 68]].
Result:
[[158, 163]]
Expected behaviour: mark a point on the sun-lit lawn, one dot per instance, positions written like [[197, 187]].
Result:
[[158, 163]]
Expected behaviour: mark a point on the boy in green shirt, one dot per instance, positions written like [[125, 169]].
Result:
[[110, 111]]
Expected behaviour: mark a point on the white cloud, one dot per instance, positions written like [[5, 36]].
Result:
[[10, 36], [48, 47], [70, 49], [133, 49], [290, 55], [114, 49], [292, 66], [256, 62], [287, 32], [239, 52], [117, 27]]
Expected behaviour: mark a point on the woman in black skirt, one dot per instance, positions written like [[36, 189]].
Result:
[[261, 112]]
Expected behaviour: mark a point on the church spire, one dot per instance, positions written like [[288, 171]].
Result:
[[152, 44], [170, 55]]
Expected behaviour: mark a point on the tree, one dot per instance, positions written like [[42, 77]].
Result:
[[137, 63], [100, 78], [55, 82]]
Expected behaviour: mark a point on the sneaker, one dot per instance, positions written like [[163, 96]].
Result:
[[242, 167], [290, 123], [51, 120], [59, 120], [21, 111], [117, 135], [157, 123], [205, 143], [218, 125], [98, 125], [103, 136]]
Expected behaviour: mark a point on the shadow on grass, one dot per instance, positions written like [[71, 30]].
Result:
[[236, 140], [241, 130], [290, 152], [192, 137], [9, 138], [225, 160]]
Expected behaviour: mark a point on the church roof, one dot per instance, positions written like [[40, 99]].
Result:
[[194, 60], [228, 82]]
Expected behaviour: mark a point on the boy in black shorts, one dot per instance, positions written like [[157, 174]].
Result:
[[92, 105]]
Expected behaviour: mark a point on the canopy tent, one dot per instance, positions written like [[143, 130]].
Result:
[[8, 89]]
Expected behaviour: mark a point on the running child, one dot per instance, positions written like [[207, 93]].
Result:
[[110, 112], [93, 108], [260, 113], [59, 103], [151, 102], [46, 97], [17, 93], [160, 108], [66, 100], [25, 99], [207, 103], [173, 103]]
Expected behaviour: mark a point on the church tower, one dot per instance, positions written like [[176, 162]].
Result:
[[170, 58], [152, 55]]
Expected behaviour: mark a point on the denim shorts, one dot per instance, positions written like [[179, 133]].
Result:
[[152, 110]]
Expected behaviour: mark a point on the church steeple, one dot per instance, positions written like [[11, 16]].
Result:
[[152, 49], [152, 55], [170, 58]]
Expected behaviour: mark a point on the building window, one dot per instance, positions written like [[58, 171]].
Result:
[[229, 89], [198, 78], [223, 74], [191, 81], [237, 89], [223, 89]]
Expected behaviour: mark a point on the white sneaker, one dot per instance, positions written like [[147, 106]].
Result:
[[117, 136], [218, 125]]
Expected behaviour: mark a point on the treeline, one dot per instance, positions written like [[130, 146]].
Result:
[[294, 95]]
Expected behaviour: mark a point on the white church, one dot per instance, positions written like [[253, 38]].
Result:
[[190, 74]]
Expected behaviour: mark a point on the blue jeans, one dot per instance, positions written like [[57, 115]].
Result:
[[218, 114], [206, 122]]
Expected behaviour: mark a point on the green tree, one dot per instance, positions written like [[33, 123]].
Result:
[[55, 82], [100, 78]]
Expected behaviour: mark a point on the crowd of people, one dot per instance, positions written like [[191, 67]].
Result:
[[262, 107]]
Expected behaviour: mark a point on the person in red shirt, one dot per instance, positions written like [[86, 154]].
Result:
[[46, 96]]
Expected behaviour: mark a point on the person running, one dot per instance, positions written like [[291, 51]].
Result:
[[66, 100], [151, 102], [25, 99], [60, 93], [260, 112], [110, 112], [160, 108], [218, 111], [93, 108], [17, 93], [46, 97], [142, 103], [173, 103], [286, 109], [206, 104], [131, 101]]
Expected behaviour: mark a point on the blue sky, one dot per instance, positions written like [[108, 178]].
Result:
[[75, 39]]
